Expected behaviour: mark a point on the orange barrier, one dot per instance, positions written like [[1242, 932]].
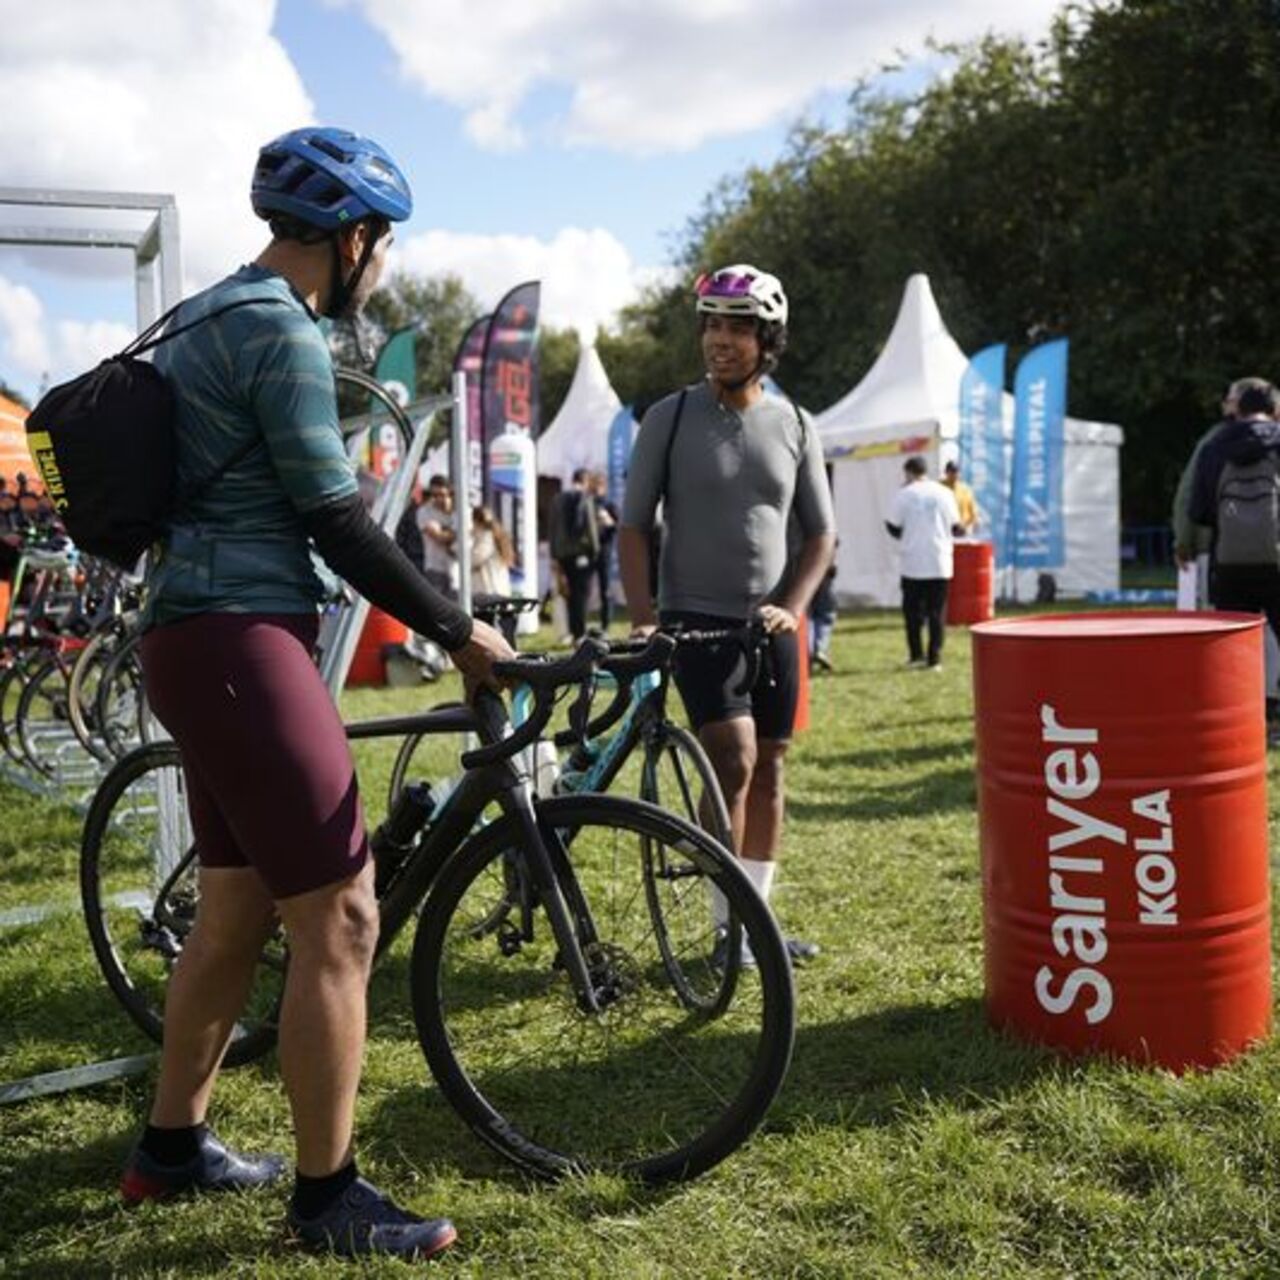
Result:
[[801, 722], [368, 665], [1123, 824], [972, 596]]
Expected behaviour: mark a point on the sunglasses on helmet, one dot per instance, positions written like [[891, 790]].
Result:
[[723, 286]]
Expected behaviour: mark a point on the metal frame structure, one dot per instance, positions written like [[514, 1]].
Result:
[[156, 249]]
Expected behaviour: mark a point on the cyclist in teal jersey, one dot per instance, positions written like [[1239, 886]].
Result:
[[231, 618]]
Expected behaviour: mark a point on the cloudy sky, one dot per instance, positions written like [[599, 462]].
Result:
[[568, 140]]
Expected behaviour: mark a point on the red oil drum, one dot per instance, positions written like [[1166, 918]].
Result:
[[972, 595], [1123, 825], [368, 666]]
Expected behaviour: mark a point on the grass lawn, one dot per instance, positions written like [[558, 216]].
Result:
[[909, 1141]]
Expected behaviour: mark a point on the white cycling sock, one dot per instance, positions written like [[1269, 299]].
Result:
[[760, 873]]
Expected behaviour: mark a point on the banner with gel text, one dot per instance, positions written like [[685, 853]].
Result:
[[509, 374], [1037, 535], [469, 360], [396, 370], [982, 453]]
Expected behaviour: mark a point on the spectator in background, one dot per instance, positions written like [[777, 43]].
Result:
[[924, 519], [1191, 540], [439, 532], [966, 504], [822, 620], [1233, 495], [575, 546], [607, 524], [492, 555], [8, 507]]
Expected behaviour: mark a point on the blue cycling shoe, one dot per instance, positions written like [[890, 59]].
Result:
[[213, 1168], [363, 1222]]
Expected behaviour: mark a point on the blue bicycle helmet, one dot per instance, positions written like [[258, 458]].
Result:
[[329, 179]]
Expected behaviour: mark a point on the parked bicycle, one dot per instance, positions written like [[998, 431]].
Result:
[[544, 992]]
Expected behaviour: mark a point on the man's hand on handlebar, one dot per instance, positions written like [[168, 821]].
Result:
[[476, 658]]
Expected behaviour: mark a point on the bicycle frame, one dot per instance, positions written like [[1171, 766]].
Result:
[[508, 782]]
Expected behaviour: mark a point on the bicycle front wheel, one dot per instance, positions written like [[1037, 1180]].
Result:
[[646, 1086], [139, 888], [677, 776]]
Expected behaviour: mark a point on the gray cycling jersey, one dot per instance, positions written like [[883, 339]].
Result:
[[734, 478]]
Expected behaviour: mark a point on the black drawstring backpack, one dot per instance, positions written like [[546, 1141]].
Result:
[[105, 446]]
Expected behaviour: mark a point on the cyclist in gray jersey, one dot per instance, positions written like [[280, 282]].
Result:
[[731, 466]]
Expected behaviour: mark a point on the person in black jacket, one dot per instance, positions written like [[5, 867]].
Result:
[[1235, 492], [575, 546]]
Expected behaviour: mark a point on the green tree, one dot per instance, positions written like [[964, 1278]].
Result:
[[1115, 184]]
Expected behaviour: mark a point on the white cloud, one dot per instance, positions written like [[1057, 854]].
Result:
[[149, 95], [33, 346], [586, 275], [24, 345], [663, 75]]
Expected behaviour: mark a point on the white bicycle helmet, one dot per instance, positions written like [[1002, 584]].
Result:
[[742, 290]]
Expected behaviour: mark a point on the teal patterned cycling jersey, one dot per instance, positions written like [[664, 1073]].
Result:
[[264, 373]]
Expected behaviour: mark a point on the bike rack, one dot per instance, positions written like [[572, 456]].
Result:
[[340, 633]]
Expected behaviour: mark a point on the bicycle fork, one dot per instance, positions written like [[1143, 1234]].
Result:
[[549, 880]]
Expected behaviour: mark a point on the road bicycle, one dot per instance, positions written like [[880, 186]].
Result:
[[543, 995]]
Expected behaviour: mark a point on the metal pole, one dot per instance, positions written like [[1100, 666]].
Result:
[[461, 489]]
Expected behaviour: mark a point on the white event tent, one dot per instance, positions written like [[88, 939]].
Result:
[[578, 436], [909, 403]]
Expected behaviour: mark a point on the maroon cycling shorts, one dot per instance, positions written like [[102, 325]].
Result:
[[270, 779]]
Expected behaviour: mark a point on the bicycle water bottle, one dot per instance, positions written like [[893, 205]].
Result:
[[393, 841], [546, 767]]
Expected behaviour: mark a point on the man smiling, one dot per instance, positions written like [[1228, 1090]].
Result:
[[731, 465]]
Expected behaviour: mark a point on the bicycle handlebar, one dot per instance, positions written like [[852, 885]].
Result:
[[543, 677]]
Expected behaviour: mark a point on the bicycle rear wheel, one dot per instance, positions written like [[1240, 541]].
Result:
[[646, 1086], [13, 680], [677, 776], [139, 888], [120, 709]]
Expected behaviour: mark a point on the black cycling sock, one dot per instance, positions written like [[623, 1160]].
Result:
[[312, 1196], [172, 1146]]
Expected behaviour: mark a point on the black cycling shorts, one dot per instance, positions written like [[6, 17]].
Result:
[[709, 676]]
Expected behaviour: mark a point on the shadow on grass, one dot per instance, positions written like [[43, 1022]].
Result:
[[889, 757], [873, 1070], [925, 722], [942, 791]]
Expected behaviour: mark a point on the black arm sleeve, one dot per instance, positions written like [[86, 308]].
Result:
[[354, 547]]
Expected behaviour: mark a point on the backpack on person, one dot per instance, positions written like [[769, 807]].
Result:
[[107, 451], [1248, 511], [575, 532]]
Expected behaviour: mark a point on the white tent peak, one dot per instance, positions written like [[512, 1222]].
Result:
[[578, 435], [916, 375]]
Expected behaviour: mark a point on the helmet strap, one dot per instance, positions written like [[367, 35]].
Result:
[[342, 291]]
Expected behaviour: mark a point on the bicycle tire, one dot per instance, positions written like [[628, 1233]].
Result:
[[43, 704], [86, 675], [403, 770], [120, 703], [480, 1000], [12, 682], [128, 854], [400, 768], [677, 775]]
